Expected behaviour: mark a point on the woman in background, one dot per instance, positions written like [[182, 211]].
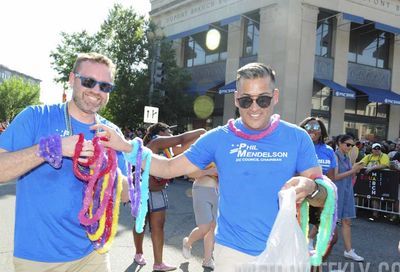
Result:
[[160, 140], [326, 158], [346, 208]]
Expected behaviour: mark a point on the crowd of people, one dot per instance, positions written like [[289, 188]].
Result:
[[238, 170]]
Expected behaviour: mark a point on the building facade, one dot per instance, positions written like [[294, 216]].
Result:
[[339, 60], [6, 73]]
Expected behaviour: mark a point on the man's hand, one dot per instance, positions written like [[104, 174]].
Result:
[[114, 140], [303, 187], [68, 145]]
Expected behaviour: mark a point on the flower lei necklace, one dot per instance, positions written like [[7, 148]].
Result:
[[255, 137], [328, 220], [102, 195], [139, 191]]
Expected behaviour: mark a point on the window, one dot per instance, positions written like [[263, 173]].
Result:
[[366, 131], [367, 120], [361, 106], [251, 35], [321, 99], [369, 46], [323, 46], [321, 103], [197, 53]]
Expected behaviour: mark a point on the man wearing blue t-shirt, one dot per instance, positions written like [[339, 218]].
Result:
[[256, 155], [48, 235]]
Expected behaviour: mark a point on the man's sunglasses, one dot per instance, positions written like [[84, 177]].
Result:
[[348, 144], [313, 127], [376, 148], [90, 83], [246, 101]]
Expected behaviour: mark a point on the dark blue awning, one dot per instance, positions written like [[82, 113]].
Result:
[[338, 90], [379, 95], [202, 88], [387, 28], [353, 18], [228, 88]]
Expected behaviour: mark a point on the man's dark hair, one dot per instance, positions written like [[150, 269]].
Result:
[[255, 70]]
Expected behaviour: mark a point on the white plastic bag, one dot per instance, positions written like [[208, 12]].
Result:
[[286, 249]]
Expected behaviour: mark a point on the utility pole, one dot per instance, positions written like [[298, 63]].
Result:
[[153, 69]]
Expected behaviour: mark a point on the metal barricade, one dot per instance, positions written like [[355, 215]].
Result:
[[378, 191]]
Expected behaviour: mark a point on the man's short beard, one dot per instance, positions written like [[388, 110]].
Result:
[[79, 104]]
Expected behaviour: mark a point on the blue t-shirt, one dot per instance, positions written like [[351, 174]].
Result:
[[326, 157], [48, 200], [250, 174]]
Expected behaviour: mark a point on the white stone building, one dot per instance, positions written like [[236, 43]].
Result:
[[337, 59]]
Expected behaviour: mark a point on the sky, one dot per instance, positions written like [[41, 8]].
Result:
[[30, 30]]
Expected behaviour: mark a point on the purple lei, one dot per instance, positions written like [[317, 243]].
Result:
[[134, 190], [50, 150]]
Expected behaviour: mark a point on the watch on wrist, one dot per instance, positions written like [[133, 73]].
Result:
[[314, 193]]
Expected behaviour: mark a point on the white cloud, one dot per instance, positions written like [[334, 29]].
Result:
[[30, 30]]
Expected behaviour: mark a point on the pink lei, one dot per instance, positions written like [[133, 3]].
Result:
[[255, 137]]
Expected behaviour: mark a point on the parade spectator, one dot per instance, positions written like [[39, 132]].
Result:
[[332, 143], [395, 154], [326, 158], [48, 235], [160, 140], [345, 204], [256, 155], [361, 152], [395, 158], [376, 160], [205, 206]]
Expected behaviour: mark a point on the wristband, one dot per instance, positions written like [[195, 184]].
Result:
[[314, 193]]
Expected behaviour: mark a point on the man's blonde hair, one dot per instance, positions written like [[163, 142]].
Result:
[[94, 57]]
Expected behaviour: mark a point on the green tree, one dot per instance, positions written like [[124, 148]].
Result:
[[174, 103], [123, 37], [16, 94], [65, 54]]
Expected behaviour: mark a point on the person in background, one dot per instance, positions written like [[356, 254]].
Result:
[[344, 172], [205, 206], [361, 152], [376, 160], [48, 235], [327, 159], [160, 140]]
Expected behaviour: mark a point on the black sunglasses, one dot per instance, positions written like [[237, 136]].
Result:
[[348, 145], [246, 101], [90, 83], [376, 148]]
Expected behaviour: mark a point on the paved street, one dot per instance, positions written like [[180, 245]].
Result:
[[376, 241]]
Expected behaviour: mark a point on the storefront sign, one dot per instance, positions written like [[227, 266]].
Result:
[[389, 6], [199, 8]]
